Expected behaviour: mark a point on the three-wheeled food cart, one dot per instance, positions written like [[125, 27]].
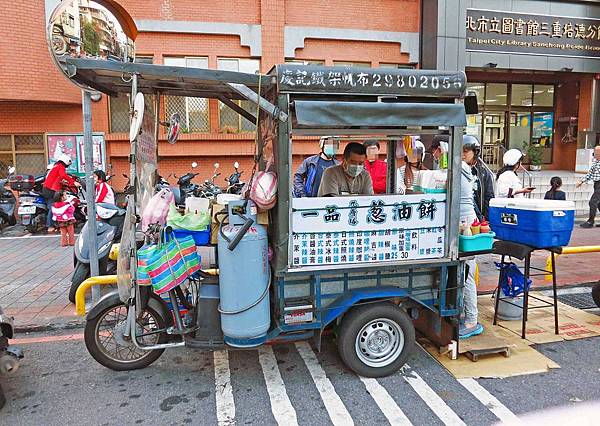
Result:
[[371, 267]]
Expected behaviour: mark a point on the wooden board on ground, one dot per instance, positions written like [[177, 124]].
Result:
[[523, 360], [573, 323]]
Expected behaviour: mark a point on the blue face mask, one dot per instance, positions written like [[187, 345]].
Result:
[[329, 150]]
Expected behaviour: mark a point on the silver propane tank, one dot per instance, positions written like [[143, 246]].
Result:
[[244, 276]]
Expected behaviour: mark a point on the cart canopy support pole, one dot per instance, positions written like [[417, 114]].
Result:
[[90, 190]]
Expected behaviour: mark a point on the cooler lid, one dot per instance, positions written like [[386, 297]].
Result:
[[532, 204]]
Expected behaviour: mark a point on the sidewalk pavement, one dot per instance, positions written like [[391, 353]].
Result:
[[36, 276], [35, 281]]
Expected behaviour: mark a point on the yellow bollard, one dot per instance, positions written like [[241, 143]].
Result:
[[569, 250], [87, 284]]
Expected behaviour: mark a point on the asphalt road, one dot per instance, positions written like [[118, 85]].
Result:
[[60, 384]]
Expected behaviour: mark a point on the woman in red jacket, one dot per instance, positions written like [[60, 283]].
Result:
[[376, 167], [56, 180]]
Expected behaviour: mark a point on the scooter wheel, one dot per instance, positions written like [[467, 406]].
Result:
[[596, 294], [80, 274], [2, 397], [106, 341]]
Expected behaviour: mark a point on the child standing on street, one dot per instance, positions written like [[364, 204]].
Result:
[[555, 193], [63, 214]]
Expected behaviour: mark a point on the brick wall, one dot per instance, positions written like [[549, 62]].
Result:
[[242, 11], [347, 50], [382, 15], [26, 69]]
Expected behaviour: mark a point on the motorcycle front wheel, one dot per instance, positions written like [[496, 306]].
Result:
[[106, 341]]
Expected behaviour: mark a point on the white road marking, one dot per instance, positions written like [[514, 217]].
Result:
[[437, 404], [223, 390], [490, 401], [338, 413], [282, 408], [385, 402]]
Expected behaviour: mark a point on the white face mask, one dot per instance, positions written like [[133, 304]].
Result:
[[354, 170]]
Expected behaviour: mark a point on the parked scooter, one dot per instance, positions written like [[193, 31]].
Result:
[[209, 189], [9, 355], [32, 208], [8, 202], [234, 185], [109, 228]]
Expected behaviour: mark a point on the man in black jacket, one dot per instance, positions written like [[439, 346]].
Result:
[[484, 178]]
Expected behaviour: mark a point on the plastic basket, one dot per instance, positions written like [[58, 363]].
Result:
[[201, 238], [479, 242]]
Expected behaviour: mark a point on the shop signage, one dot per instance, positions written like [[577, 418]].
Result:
[[375, 81], [520, 33], [367, 229]]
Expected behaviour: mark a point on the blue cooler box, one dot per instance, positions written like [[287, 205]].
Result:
[[536, 223]]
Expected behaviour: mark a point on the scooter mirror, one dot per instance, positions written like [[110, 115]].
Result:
[[11, 170], [174, 127], [217, 165], [194, 165], [236, 165]]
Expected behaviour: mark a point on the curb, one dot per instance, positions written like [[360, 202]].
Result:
[[37, 328]]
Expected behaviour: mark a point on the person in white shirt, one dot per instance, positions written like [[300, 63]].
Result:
[[508, 184], [413, 164]]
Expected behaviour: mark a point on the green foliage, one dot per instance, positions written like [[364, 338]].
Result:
[[91, 39], [534, 153]]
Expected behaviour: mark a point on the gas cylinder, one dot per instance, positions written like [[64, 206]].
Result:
[[244, 278]]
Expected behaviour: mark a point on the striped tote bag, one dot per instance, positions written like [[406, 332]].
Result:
[[167, 264]]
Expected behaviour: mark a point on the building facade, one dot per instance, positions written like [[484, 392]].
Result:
[[241, 35], [535, 67]]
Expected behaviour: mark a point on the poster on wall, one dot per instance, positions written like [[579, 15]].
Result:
[[344, 230], [99, 156], [59, 145]]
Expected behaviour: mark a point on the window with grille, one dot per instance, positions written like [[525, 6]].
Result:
[[193, 111], [352, 64], [229, 120], [397, 66], [25, 152], [304, 62], [119, 105]]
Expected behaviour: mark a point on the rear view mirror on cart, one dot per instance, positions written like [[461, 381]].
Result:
[[99, 30]]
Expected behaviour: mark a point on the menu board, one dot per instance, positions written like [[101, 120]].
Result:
[[341, 230]]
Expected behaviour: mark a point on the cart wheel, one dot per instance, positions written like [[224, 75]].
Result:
[[375, 340], [596, 294], [106, 341]]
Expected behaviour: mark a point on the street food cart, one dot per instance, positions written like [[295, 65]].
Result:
[[372, 268]]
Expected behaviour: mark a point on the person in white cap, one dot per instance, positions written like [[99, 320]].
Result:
[[413, 163], [508, 184]]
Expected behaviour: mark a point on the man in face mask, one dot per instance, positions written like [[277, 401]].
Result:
[[348, 178], [308, 176]]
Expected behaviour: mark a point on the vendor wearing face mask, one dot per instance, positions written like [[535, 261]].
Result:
[[348, 178]]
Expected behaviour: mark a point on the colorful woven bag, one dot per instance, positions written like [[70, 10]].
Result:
[[167, 264]]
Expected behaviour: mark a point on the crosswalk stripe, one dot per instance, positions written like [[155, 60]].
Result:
[[338, 413], [437, 404], [282, 408], [223, 389], [385, 402], [490, 401]]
